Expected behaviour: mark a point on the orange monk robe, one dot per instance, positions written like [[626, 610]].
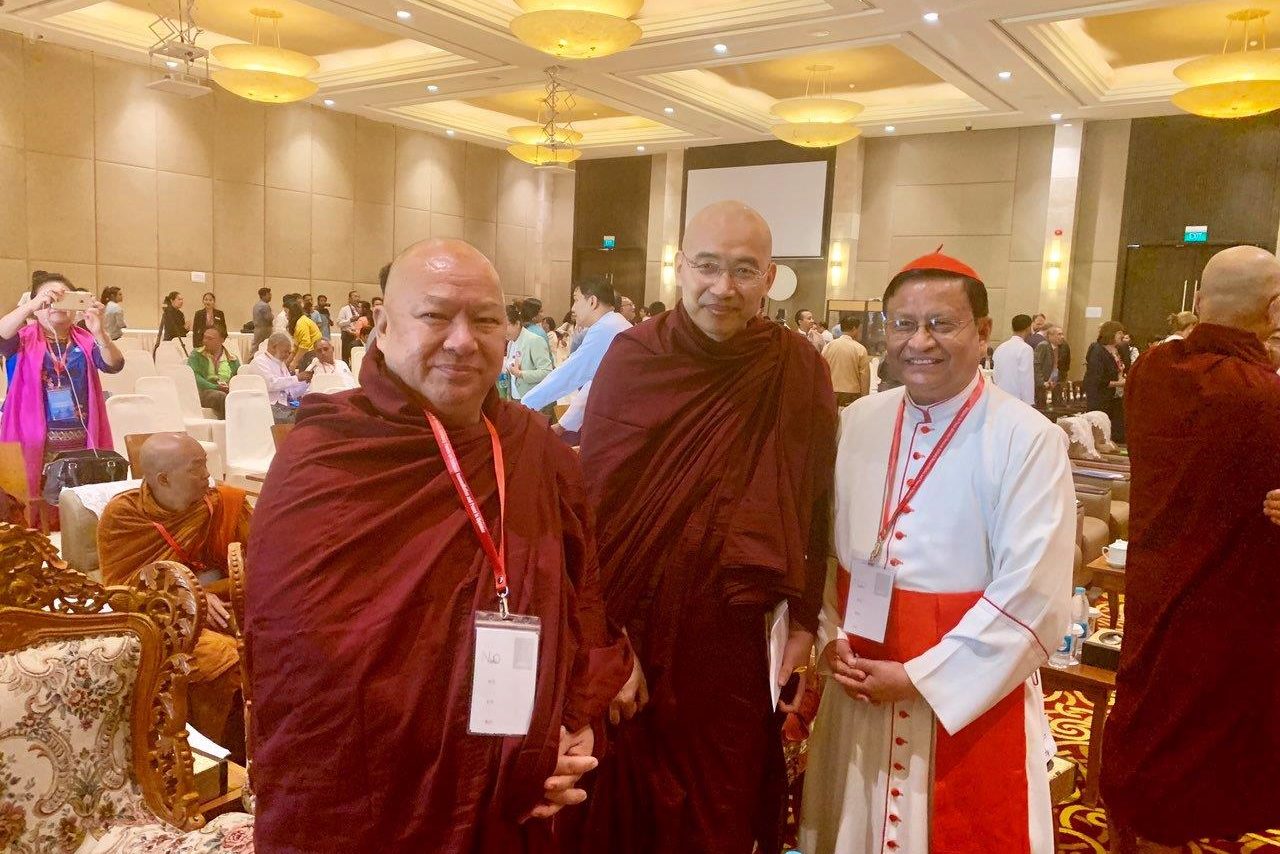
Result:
[[129, 540]]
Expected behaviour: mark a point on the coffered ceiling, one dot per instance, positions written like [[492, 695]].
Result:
[[453, 65]]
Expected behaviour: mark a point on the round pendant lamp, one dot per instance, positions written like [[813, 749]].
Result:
[[544, 155], [1236, 84], [541, 135], [553, 142], [816, 121], [265, 72], [577, 29]]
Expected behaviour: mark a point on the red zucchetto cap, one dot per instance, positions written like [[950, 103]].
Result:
[[937, 262]]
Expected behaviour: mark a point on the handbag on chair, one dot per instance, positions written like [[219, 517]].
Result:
[[80, 468]]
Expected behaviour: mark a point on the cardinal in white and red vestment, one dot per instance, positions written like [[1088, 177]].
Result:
[[932, 740]]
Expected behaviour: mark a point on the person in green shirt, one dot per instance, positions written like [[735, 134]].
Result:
[[214, 366]]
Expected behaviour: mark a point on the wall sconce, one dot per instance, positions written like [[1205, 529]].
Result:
[[1054, 266], [835, 264], [669, 265]]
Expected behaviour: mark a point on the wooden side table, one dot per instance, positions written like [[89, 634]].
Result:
[[1111, 580], [1097, 685]]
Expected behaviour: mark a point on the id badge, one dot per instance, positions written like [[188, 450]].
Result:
[[504, 677], [61, 403], [870, 593]]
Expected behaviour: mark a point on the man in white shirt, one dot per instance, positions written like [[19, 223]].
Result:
[[955, 534], [283, 385], [809, 328], [324, 363], [594, 301], [1014, 361], [348, 315]]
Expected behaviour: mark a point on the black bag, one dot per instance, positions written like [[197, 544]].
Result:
[[248, 327], [80, 468]]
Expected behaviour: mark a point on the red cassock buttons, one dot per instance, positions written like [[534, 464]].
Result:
[[916, 455], [891, 845], [911, 481], [894, 819], [897, 793], [895, 562], [897, 766], [926, 429], [900, 535], [903, 715], [900, 741]]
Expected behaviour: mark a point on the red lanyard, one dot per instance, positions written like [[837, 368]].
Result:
[[889, 521], [179, 551], [497, 559]]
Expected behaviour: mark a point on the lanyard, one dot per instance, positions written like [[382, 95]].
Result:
[[887, 520], [497, 559], [178, 550]]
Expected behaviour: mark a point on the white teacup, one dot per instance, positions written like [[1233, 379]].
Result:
[[1116, 553]]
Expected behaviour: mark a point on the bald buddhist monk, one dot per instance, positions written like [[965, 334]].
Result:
[[708, 448], [373, 664], [175, 515], [1193, 741]]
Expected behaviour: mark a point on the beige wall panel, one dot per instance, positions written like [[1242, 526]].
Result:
[[517, 192], [12, 88], [1105, 162], [374, 230], [81, 275], [964, 157], [509, 256], [61, 229], [239, 134], [1022, 293], [237, 294], [13, 208], [332, 249], [287, 249], [942, 210], [336, 291], [124, 113], [126, 215], [184, 135], [142, 295], [14, 281], [870, 278], [414, 169], [480, 188], [281, 285], [411, 225], [1031, 193], [559, 227], [1001, 312], [448, 175], [877, 199], [445, 225], [333, 153], [561, 278], [535, 276], [988, 255], [482, 235], [185, 220], [375, 162], [238, 226], [288, 146], [59, 100]]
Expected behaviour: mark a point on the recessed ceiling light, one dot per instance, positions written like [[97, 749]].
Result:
[[721, 48], [404, 14], [171, 64], [930, 17], [433, 88], [1005, 75], [639, 148], [889, 128], [449, 132], [1067, 125], [820, 34], [1055, 116], [328, 102], [670, 111]]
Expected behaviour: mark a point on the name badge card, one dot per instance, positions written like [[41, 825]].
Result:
[[505, 674], [62, 403], [870, 593]]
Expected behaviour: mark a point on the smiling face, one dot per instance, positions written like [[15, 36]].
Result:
[[442, 327], [208, 301], [935, 367], [725, 268]]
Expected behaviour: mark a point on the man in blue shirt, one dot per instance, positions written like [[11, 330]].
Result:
[[594, 302]]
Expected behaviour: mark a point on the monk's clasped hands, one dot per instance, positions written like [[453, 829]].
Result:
[[575, 759]]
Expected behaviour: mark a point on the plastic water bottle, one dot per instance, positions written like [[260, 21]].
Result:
[[1080, 620], [1062, 656]]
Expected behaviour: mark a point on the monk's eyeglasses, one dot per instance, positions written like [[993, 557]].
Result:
[[939, 327], [710, 272]]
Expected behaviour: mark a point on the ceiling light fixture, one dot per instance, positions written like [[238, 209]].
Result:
[[820, 34], [433, 88], [1055, 117], [553, 141], [889, 128], [577, 29], [404, 14], [264, 71], [930, 17], [1005, 75], [640, 148], [171, 64], [449, 132], [670, 111], [1236, 84], [328, 102], [816, 120], [721, 49]]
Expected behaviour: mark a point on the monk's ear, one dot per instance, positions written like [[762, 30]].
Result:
[[380, 318]]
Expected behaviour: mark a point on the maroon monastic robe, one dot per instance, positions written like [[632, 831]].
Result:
[[1193, 742], [710, 468], [364, 574]]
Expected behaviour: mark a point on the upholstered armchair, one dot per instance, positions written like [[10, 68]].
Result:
[[93, 749]]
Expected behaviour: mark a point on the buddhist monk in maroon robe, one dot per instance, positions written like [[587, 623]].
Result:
[[364, 576], [1193, 742], [708, 450]]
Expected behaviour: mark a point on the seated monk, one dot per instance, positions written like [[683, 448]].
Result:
[[177, 516]]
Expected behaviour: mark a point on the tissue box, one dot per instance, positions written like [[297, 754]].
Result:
[[210, 776], [1102, 649], [1062, 780]]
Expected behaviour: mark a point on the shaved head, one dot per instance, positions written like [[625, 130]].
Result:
[[175, 470], [1240, 287], [725, 268], [441, 329]]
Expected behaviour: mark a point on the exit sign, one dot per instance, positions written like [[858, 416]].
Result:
[[1195, 234], [609, 241]]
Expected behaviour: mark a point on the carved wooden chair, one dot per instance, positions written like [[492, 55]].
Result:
[[236, 580], [93, 744]]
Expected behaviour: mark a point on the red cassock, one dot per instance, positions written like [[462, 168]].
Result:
[[710, 468], [1193, 741], [364, 575]]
